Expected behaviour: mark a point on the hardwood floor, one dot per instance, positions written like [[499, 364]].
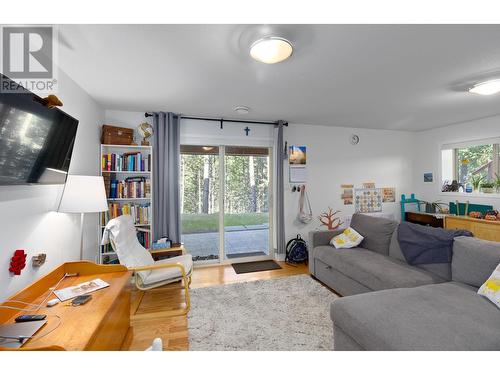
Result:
[[145, 325]]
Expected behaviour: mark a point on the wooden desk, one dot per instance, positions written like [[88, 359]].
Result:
[[484, 229], [100, 324]]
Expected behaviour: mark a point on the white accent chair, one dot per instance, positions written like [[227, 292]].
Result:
[[121, 233]]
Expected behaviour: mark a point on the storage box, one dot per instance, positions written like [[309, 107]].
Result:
[[115, 135]]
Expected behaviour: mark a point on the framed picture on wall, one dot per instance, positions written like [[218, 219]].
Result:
[[428, 177], [297, 155]]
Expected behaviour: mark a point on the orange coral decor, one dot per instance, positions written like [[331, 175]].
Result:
[[329, 220]]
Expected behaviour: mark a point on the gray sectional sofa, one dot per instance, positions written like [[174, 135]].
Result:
[[390, 305]]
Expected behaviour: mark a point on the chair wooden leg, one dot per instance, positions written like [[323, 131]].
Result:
[[186, 291], [186, 280]]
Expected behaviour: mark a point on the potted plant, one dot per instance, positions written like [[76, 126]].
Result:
[[497, 182], [476, 181], [488, 187], [435, 207]]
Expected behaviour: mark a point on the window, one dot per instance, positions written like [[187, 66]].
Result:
[[466, 163]]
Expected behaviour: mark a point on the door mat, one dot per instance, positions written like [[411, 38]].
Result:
[[265, 265], [242, 255]]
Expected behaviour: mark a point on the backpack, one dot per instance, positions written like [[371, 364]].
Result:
[[296, 250]]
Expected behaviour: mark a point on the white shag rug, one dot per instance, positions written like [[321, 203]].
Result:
[[289, 313]]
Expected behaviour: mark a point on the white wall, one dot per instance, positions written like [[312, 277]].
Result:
[[427, 158], [200, 132], [28, 220], [388, 158], [381, 156], [209, 132], [125, 119]]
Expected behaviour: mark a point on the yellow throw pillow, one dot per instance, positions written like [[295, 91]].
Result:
[[491, 287], [347, 239]]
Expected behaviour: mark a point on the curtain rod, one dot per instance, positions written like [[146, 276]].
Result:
[[221, 120]]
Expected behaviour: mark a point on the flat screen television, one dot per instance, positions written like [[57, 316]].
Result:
[[36, 142]]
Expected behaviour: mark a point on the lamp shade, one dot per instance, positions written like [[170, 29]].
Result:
[[83, 194]]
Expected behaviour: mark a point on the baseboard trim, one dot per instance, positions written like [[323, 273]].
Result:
[[279, 257]]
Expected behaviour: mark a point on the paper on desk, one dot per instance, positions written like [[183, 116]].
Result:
[[77, 290]]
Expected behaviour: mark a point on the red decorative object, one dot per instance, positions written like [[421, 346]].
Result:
[[18, 262]]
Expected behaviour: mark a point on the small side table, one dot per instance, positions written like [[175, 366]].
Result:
[[175, 250]]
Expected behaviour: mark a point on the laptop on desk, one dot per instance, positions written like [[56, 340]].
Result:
[[10, 333]]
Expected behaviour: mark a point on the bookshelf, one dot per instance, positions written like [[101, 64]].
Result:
[[128, 178]]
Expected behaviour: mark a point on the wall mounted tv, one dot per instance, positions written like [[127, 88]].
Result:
[[36, 142]]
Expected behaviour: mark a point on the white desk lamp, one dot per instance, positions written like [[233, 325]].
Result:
[[83, 194]]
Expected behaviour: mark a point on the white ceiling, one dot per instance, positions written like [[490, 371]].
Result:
[[404, 77]]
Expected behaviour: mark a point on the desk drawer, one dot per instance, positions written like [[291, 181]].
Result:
[[453, 223], [487, 231]]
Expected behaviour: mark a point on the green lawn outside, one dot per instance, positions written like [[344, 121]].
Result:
[[202, 223]]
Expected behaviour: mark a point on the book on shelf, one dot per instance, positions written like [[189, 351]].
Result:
[[143, 237], [126, 162], [132, 187], [141, 213], [107, 248]]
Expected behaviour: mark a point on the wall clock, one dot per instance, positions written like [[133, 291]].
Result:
[[354, 139]]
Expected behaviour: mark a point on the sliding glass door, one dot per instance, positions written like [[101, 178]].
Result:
[[246, 202], [200, 201], [226, 202]]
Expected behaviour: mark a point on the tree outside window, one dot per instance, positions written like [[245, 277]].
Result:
[[465, 164]]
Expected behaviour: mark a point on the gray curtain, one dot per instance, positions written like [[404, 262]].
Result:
[[166, 164], [280, 155]]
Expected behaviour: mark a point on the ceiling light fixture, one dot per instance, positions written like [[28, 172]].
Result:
[[271, 50], [242, 110], [486, 88]]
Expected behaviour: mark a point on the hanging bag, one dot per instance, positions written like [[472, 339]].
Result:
[[305, 214]]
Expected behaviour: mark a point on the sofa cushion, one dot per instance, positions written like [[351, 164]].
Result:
[[162, 274], [342, 284], [447, 316], [374, 270], [394, 248], [474, 260], [443, 270], [491, 288], [377, 232]]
